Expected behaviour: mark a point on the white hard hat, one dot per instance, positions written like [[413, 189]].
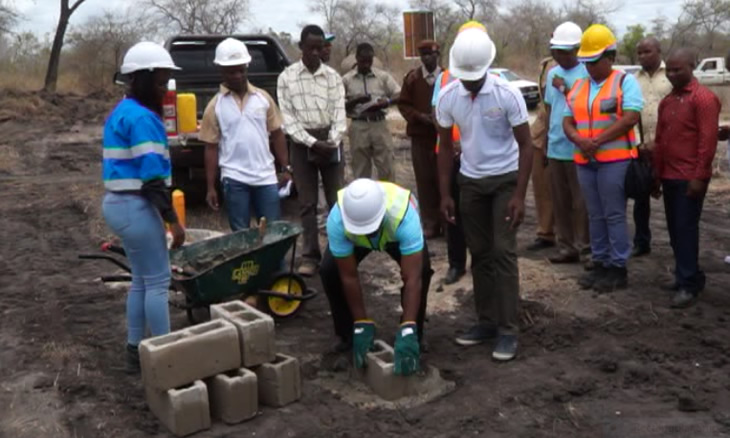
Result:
[[231, 51], [147, 56], [363, 206], [471, 55], [566, 36]]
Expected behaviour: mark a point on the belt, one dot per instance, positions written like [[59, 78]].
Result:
[[375, 118]]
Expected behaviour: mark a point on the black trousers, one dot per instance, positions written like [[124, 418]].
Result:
[[341, 315], [455, 241], [642, 214], [683, 222]]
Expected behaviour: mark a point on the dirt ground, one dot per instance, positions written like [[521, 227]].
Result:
[[621, 365]]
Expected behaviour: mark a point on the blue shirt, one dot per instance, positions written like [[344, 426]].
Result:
[[409, 234], [135, 147], [633, 99], [559, 147]]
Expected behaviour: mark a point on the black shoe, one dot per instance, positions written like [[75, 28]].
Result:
[[132, 360], [639, 251], [614, 279], [539, 244], [670, 286], [506, 348], [564, 258], [477, 334], [590, 278], [343, 346], [683, 299], [453, 275]]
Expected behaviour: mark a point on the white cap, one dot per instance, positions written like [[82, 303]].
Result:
[[471, 55], [231, 52], [363, 206], [566, 36], [147, 56]]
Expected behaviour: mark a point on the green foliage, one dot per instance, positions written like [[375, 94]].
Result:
[[634, 34]]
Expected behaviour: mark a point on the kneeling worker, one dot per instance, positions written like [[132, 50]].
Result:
[[376, 216]]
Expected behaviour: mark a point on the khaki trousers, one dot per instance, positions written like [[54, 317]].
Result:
[[541, 178], [371, 144]]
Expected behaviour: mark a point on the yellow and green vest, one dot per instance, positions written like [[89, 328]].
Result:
[[397, 201]]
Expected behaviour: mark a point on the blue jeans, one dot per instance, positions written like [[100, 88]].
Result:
[[138, 224], [239, 198], [602, 185], [683, 221]]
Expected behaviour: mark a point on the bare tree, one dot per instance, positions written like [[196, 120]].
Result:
[[99, 45], [67, 9], [446, 18], [200, 16], [482, 10], [8, 16], [710, 16], [328, 9], [587, 12]]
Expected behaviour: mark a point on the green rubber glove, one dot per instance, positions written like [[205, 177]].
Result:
[[407, 351], [363, 337]]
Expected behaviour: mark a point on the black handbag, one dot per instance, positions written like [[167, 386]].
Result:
[[639, 178]]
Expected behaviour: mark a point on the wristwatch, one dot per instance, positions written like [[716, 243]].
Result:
[[288, 169]]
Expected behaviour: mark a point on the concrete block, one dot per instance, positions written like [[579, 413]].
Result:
[[234, 396], [279, 381], [255, 331], [183, 410], [380, 378], [187, 355]]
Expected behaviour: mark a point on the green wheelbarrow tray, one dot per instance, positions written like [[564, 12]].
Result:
[[241, 263]]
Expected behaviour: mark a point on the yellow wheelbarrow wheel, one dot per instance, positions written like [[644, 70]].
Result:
[[290, 284]]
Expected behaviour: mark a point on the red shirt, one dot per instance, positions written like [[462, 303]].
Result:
[[686, 133]]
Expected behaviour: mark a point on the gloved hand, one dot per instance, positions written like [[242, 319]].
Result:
[[407, 350], [362, 341]]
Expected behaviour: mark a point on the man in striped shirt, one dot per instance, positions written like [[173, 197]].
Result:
[[312, 100]]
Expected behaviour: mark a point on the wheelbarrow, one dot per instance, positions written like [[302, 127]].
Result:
[[246, 263]]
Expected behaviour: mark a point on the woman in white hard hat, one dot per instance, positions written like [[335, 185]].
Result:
[[137, 176]]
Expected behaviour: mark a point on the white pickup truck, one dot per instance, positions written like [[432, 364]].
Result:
[[712, 71]]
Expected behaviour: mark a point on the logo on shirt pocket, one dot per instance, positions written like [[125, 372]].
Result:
[[493, 113]]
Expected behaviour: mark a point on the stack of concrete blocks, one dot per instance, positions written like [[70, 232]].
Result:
[[174, 367], [279, 380], [220, 370]]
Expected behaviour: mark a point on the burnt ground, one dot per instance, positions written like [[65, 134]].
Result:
[[621, 365]]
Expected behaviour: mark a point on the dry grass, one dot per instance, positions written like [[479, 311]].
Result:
[[23, 81]]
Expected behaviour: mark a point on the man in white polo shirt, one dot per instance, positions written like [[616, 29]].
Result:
[[496, 160], [236, 127]]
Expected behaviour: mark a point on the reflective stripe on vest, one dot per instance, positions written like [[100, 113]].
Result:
[[455, 133], [397, 202], [590, 122]]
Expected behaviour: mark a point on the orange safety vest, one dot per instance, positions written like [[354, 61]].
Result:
[[591, 122], [455, 134]]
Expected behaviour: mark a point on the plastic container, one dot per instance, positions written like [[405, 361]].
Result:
[[169, 108], [187, 117], [178, 203]]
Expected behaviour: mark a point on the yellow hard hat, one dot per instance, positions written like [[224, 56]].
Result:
[[595, 41], [472, 24]]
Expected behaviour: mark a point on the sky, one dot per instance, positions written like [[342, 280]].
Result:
[[288, 15]]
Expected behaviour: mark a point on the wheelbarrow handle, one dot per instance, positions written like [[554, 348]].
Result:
[[116, 249], [308, 295], [105, 257], [116, 278]]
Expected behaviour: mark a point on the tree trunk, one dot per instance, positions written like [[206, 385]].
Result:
[[55, 58]]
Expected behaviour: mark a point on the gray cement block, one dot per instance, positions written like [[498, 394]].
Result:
[[380, 378], [255, 331], [234, 396], [279, 381], [184, 410], [187, 355]]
